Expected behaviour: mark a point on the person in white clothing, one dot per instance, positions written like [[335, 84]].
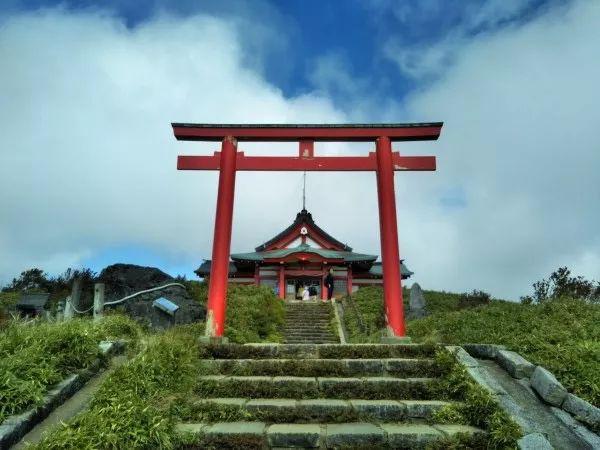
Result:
[[305, 293]]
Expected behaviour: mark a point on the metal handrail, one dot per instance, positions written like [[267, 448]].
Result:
[[115, 302]]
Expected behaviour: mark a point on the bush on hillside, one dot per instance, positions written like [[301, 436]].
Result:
[[254, 313], [474, 299], [364, 314], [36, 355], [132, 408], [562, 284], [561, 335]]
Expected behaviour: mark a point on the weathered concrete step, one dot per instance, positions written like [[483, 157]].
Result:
[[308, 329], [309, 334], [368, 388], [303, 435], [323, 367], [285, 410], [351, 351]]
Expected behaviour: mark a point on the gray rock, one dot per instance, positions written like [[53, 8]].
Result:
[[462, 356], [125, 279], [590, 440], [583, 411], [515, 364], [294, 435], [534, 441], [485, 351], [547, 386]]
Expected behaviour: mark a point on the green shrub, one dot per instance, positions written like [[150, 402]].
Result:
[[36, 355], [364, 314], [561, 335], [134, 407]]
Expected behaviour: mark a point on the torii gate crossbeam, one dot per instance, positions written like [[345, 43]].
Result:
[[383, 161]]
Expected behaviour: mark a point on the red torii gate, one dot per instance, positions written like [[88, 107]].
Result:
[[383, 161]]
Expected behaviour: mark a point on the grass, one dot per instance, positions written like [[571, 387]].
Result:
[[134, 407], [561, 335], [254, 313], [36, 355]]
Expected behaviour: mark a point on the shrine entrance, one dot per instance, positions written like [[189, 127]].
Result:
[[383, 161]]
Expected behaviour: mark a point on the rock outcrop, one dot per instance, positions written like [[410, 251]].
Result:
[[121, 280]]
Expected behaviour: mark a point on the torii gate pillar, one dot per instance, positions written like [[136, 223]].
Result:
[[383, 161], [219, 271], [390, 254]]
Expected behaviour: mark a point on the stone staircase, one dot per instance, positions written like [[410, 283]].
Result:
[[308, 322], [260, 396]]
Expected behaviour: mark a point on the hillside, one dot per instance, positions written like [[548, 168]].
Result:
[[562, 335]]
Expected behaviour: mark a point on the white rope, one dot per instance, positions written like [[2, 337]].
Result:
[[68, 299], [143, 292]]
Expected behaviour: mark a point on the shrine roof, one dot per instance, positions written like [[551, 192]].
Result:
[[303, 217], [377, 269], [346, 256]]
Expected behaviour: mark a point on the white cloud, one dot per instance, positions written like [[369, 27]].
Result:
[[87, 158]]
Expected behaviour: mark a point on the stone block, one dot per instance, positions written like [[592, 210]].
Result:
[[237, 428], [452, 430], [294, 435], [422, 408], [271, 405], [410, 435], [485, 351], [462, 356], [349, 435], [383, 410], [515, 364], [547, 386], [591, 439], [583, 411], [534, 441], [364, 366], [485, 380], [324, 407]]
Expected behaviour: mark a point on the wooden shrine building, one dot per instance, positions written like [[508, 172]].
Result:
[[301, 255]]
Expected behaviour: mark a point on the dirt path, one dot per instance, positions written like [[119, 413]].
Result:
[[537, 413], [73, 406]]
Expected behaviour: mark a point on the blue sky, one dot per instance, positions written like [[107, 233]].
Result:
[[501, 74]]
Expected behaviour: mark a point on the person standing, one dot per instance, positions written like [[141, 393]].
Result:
[[329, 284]]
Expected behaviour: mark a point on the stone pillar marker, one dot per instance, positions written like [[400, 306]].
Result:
[[73, 299], [98, 301], [416, 302]]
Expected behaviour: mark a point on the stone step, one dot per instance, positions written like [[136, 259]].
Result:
[[301, 333], [368, 388], [326, 351], [400, 367], [303, 435], [322, 410]]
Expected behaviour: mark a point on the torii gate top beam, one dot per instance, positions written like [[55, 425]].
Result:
[[335, 132]]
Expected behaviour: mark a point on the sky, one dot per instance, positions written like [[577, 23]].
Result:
[[88, 160]]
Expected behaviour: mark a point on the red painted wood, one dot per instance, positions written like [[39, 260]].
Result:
[[349, 281], [318, 163], [390, 255], [306, 149], [400, 132], [281, 282], [219, 270]]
